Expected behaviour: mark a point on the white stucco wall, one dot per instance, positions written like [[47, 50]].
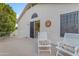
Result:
[[46, 11]]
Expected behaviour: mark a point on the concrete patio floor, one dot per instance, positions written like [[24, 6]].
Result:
[[21, 47]]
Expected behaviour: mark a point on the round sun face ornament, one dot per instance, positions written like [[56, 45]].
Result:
[[48, 23]]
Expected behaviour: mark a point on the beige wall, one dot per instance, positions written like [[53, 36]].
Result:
[[46, 11]]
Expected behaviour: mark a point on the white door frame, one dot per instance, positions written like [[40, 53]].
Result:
[[33, 20]]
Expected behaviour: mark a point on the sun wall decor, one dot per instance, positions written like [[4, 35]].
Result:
[[48, 23]]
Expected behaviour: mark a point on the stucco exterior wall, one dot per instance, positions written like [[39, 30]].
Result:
[[46, 11]]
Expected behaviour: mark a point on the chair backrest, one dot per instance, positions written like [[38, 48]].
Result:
[[42, 35], [71, 39]]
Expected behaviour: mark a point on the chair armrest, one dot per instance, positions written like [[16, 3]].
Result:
[[60, 44]]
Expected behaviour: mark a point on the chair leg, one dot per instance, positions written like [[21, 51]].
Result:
[[57, 53], [38, 52], [50, 51]]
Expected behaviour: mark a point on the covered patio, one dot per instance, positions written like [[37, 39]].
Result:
[[15, 46]]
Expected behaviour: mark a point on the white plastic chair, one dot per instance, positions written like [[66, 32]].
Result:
[[70, 45], [44, 44]]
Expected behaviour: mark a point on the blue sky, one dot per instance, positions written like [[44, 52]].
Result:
[[18, 7]]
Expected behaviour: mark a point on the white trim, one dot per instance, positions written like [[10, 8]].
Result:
[[33, 20]]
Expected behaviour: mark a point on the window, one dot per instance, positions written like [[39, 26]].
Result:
[[69, 23], [34, 16]]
